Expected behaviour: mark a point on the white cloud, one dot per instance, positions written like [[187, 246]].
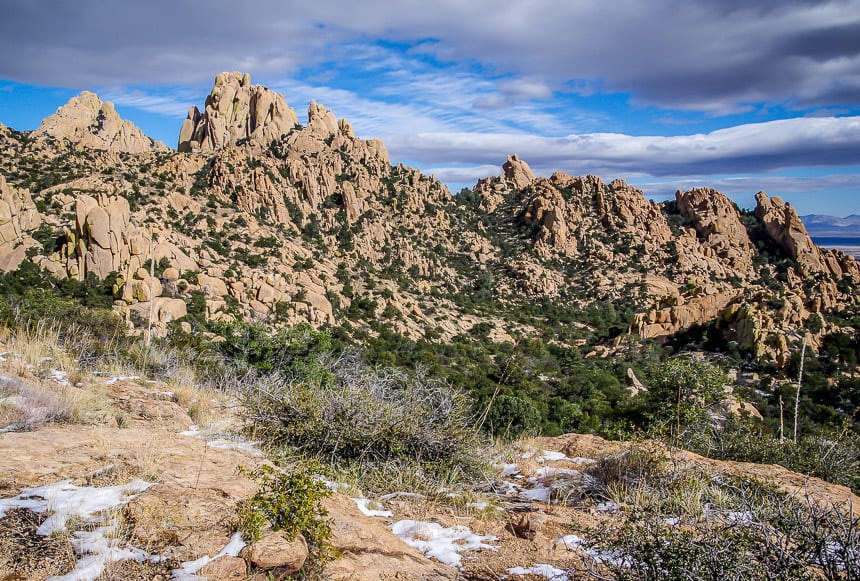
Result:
[[759, 147], [713, 55]]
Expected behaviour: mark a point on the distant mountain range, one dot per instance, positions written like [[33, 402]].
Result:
[[822, 225]]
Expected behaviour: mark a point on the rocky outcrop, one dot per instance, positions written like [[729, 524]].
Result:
[[786, 229], [18, 219], [518, 172], [87, 121], [662, 323], [237, 111], [718, 225]]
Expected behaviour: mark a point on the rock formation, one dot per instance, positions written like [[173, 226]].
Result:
[[237, 111], [718, 224], [518, 171], [87, 121], [18, 219]]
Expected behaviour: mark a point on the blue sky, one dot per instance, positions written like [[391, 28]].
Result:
[[667, 94]]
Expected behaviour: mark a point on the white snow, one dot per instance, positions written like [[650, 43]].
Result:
[[239, 444], [64, 500], [541, 570], [539, 493], [444, 544], [551, 456], [510, 469], [742, 518], [478, 505], [608, 506], [363, 505], [547, 471], [187, 571], [92, 505], [60, 377], [226, 442], [117, 378], [599, 556]]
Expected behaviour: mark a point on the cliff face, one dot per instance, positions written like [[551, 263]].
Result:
[[289, 223]]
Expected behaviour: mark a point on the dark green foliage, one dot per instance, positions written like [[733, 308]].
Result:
[[509, 417], [292, 502], [255, 346]]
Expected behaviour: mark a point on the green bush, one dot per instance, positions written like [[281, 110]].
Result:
[[290, 502], [510, 417]]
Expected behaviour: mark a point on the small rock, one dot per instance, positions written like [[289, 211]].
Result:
[[275, 551], [527, 527], [225, 569]]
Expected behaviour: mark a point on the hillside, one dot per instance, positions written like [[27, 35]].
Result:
[[288, 290], [272, 220]]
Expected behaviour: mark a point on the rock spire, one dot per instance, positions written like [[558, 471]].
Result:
[[237, 111]]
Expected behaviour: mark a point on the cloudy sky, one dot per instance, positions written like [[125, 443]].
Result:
[[738, 95]]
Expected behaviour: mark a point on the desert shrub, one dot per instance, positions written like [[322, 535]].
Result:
[[289, 501], [24, 407], [510, 416], [255, 347], [682, 394], [741, 529], [342, 411], [632, 467], [832, 456]]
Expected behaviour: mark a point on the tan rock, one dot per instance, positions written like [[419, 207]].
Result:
[[18, 218], [518, 171], [276, 551], [237, 111], [211, 286], [225, 569], [88, 122]]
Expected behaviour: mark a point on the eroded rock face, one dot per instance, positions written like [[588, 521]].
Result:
[[87, 121], [18, 218], [237, 111], [718, 224], [518, 171]]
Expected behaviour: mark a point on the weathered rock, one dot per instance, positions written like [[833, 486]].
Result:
[[87, 121], [18, 218], [225, 569], [237, 111], [211, 286], [786, 229], [518, 172], [275, 551], [661, 323], [718, 223]]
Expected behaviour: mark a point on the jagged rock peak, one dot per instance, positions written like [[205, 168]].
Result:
[[237, 111], [718, 223], [518, 171], [87, 121]]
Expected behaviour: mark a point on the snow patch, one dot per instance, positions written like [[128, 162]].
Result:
[[541, 570], [443, 544], [551, 456], [363, 505], [117, 378], [187, 571], [615, 558], [60, 377], [94, 505]]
